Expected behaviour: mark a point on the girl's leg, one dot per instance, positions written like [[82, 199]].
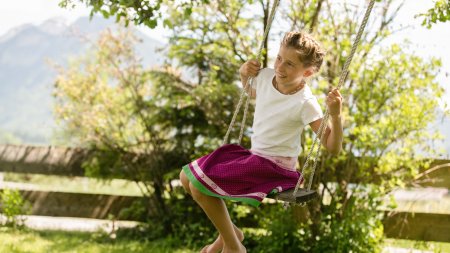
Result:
[[217, 212], [217, 245]]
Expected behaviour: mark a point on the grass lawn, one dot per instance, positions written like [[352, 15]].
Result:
[[32, 241]]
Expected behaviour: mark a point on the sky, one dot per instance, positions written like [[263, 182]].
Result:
[[426, 42]]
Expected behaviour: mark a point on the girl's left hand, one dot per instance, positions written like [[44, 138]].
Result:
[[334, 102]]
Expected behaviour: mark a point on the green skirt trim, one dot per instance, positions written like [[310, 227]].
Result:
[[206, 191]]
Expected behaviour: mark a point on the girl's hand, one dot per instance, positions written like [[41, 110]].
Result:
[[334, 102], [249, 69]]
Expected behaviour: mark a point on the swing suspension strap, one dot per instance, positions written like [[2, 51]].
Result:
[[249, 83], [315, 149]]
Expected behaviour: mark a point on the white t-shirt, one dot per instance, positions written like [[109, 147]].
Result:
[[279, 119]]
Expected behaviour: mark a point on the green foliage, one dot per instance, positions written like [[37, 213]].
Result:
[[215, 38], [351, 227], [136, 211], [280, 234], [189, 223], [147, 13], [99, 88], [439, 13], [12, 205], [105, 103], [187, 112]]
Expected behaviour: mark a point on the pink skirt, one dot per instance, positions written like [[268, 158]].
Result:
[[233, 172]]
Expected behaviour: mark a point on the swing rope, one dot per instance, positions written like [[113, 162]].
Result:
[[322, 128], [249, 83]]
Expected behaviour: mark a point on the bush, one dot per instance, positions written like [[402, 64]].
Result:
[[278, 232], [12, 205], [355, 227]]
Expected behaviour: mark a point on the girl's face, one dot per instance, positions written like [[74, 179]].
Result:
[[289, 71]]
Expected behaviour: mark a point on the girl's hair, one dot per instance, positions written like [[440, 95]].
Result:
[[309, 51]]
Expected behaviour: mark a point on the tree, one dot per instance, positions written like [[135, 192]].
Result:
[[105, 103]]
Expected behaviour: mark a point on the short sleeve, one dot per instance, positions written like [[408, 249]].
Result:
[[255, 82], [311, 111]]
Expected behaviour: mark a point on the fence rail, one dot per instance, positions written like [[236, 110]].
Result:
[[418, 226], [80, 205], [42, 160]]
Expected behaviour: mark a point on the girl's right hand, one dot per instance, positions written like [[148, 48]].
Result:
[[250, 68]]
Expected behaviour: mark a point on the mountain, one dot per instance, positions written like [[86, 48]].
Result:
[[26, 80]]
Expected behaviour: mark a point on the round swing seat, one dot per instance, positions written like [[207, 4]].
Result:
[[302, 196]]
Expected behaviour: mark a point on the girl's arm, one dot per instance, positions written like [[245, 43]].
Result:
[[333, 136]]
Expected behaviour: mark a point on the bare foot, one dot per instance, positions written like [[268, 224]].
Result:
[[241, 249], [217, 245]]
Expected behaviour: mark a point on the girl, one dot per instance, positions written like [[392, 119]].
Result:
[[284, 106]]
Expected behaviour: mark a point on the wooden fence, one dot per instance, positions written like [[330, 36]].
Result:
[[67, 162]]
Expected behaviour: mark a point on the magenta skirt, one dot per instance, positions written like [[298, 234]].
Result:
[[233, 172]]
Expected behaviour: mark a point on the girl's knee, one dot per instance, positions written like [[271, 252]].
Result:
[[185, 182], [190, 188], [182, 176]]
